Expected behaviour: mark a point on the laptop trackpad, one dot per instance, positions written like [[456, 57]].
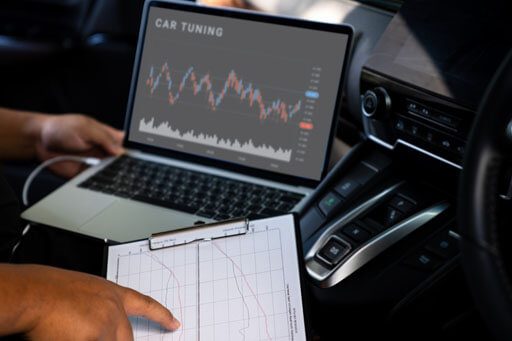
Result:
[[127, 220], [68, 207]]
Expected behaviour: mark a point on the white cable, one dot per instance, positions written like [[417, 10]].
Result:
[[23, 233], [91, 161]]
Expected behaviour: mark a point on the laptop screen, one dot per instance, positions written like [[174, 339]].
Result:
[[249, 92]]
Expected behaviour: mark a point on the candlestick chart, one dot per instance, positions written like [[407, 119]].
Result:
[[224, 111]]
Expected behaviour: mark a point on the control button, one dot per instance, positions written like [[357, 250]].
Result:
[[423, 260], [412, 107], [370, 103], [372, 225], [425, 112], [400, 125], [356, 233], [392, 217], [346, 187], [414, 130], [377, 161], [375, 103], [446, 143], [430, 137], [459, 148], [330, 203], [447, 120], [444, 245], [403, 205], [362, 173], [334, 251], [386, 216]]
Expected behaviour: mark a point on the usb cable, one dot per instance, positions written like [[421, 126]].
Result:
[[91, 161]]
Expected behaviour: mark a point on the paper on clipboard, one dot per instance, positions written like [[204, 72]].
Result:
[[241, 287]]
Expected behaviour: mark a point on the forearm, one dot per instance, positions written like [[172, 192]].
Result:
[[19, 132], [18, 299]]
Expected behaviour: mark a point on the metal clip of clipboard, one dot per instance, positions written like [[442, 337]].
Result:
[[221, 229]]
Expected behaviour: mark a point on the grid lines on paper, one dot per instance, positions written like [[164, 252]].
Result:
[[227, 289]]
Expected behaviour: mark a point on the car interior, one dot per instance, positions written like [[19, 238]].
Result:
[[406, 236]]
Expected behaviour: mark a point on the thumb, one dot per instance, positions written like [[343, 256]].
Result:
[[141, 305]]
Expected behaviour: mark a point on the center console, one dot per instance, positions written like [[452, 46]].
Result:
[[380, 233]]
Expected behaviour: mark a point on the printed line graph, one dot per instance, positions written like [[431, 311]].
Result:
[[253, 294], [164, 277], [229, 289], [248, 93], [178, 286]]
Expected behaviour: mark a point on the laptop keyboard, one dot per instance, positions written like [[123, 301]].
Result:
[[198, 193]]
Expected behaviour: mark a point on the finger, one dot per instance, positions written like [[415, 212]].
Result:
[[99, 136], [117, 134], [117, 138], [142, 305], [124, 330]]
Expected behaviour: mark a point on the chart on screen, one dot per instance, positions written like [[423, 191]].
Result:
[[244, 287]]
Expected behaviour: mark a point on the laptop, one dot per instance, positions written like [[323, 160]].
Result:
[[231, 114]]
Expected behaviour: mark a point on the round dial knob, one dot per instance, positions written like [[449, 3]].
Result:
[[375, 102]]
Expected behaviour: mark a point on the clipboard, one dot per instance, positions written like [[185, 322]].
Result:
[[202, 232], [240, 272]]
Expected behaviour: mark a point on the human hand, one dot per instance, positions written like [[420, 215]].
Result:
[[67, 305], [229, 3], [77, 135]]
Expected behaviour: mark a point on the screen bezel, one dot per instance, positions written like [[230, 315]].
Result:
[[227, 165]]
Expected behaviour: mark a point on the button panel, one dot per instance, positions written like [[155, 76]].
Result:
[[435, 252], [429, 137], [436, 116], [349, 185]]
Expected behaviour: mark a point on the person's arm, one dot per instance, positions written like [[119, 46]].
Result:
[[27, 135], [229, 3], [52, 304], [19, 133]]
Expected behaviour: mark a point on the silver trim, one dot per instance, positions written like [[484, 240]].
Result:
[[412, 146], [327, 278], [454, 234], [381, 142]]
